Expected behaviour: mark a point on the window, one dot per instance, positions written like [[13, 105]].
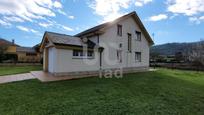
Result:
[[75, 53], [138, 35], [119, 30], [138, 56], [81, 54], [31, 54], [129, 42], [90, 54], [119, 55], [120, 45]]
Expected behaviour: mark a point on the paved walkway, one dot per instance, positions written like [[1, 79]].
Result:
[[40, 75], [47, 77], [16, 77]]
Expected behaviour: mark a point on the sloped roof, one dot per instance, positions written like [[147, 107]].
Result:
[[101, 26], [63, 39], [57, 38], [6, 42], [93, 29], [25, 49]]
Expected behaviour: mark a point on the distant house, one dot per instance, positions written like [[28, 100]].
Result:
[[23, 54], [123, 43]]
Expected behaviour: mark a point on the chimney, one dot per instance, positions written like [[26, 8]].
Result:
[[13, 41]]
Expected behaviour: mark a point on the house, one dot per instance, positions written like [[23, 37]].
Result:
[[123, 43], [21, 54]]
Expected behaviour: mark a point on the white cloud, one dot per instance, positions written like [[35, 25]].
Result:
[[57, 4], [158, 17], [34, 31], [65, 14], [140, 3], [13, 19], [3, 23], [67, 28], [71, 17], [62, 12], [28, 9], [22, 28], [186, 7], [112, 9], [45, 25], [197, 20], [190, 8]]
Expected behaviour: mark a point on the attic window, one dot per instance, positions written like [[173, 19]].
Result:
[[119, 30]]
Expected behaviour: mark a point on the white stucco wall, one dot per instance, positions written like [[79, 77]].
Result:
[[65, 62], [128, 59]]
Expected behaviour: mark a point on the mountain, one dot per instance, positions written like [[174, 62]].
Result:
[[173, 48]]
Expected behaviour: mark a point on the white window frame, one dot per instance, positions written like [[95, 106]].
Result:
[[82, 54]]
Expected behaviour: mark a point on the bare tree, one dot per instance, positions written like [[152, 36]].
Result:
[[197, 54]]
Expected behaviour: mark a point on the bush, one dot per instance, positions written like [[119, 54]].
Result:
[[11, 57]]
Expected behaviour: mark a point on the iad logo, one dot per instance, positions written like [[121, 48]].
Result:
[[117, 73]]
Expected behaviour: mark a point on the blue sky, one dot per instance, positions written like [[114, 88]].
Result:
[[169, 20]]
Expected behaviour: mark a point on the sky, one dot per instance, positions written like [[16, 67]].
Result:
[[167, 21]]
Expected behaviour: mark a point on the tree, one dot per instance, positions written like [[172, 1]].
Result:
[[153, 58], [197, 54], [179, 57]]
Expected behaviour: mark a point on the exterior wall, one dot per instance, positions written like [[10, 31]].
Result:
[[110, 38], [23, 58], [65, 62], [11, 49]]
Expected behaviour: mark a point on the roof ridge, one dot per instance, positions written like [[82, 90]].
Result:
[[59, 33], [103, 24]]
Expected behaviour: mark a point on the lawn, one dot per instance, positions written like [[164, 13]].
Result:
[[160, 92], [7, 70]]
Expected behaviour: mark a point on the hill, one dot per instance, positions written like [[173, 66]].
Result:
[[173, 48]]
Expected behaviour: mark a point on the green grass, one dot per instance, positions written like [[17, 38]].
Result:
[[161, 92], [8, 70]]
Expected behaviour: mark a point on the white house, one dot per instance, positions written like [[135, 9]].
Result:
[[123, 43]]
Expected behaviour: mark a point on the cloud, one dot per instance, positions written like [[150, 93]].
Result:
[[65, 14], [67, 28], [71, 17], [112, 9], [193, 9], [13, 19], [186, 7], [62, 12], [158, 17], [22, 28], [141, 3], [45, 25], [197, 20], [28, 9], [57, 4], [3, 23], [52, 23]]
